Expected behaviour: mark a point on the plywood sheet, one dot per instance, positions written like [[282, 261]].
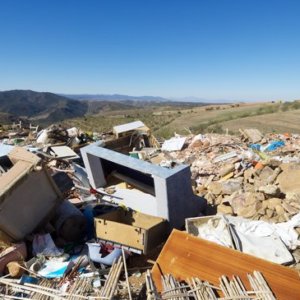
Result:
[[186, 256]]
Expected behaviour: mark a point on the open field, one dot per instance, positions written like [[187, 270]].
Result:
[[277, 122], [165, 120]]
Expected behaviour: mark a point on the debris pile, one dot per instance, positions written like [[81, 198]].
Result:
[[257, 181], [198, 289], [85, 215]]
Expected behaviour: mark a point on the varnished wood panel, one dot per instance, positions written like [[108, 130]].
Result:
[[186, 256]]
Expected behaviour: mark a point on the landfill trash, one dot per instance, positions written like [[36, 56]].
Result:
[[173, 144], [259, 238], [23, 186], [200, 289], [70, 223], [15, 252], [43, 244], [96, 255], [53, 269], [186, 257], [54, 194]]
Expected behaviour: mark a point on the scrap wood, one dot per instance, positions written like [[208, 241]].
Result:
[[46, 290], [110, 285], [152, 293], [126, 274], [185, 256], [197, 289]]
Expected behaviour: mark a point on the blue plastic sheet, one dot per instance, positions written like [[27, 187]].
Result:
[[274, 145]]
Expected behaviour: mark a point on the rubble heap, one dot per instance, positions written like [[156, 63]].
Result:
[[245, 179], [73, 212]]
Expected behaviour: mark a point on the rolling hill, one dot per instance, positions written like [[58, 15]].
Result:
[[46, 108], [43, 107]]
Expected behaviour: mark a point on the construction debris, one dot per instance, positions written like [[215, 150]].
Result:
[[197, 289], [185, 256], [85, 215]]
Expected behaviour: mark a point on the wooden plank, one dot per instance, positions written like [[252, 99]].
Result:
[[185, 256]]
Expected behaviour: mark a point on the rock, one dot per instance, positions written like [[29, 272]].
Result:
[[215, 188], [262, 211], [249, 174], [285, 167], [248, 211], [271, 190], [289, 180], [286, 216], [196, 144], [290, 209], [252, 198], [210, 197], [265, 204], [293, 197], [273, 219], [265, 174], [258, 183], [279, 210], [271, 179], [225, 209], [281, 219], [249, 188], [269, 213], [274, 163], [272, 203], [224, 187], [247, 204], [226, 170], [295, 205], [253, 135], [219, 200]]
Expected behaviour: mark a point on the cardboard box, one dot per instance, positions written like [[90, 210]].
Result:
[[28, 195], [132, 229]]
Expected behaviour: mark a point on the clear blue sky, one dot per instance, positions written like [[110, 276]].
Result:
[[213, 49]]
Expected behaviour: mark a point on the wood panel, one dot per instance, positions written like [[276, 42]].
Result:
[[186, 256]]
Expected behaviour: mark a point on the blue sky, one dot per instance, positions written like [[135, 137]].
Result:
[[213, 49]]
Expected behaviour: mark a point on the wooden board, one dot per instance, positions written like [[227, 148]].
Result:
[[186, 256]]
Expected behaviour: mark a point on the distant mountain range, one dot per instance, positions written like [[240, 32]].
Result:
[[115, 97], [132, 99], [201, 100]]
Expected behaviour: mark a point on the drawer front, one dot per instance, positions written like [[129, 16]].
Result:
[[120, 233]]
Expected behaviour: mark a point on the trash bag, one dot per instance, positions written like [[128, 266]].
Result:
[[43, 245]]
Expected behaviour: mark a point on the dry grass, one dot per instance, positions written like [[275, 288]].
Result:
[[278, 122], [164, 121]]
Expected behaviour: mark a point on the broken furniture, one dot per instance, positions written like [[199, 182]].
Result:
[[130, 128], [28, 195], [137, 231], [185, 256], [170, 195]]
